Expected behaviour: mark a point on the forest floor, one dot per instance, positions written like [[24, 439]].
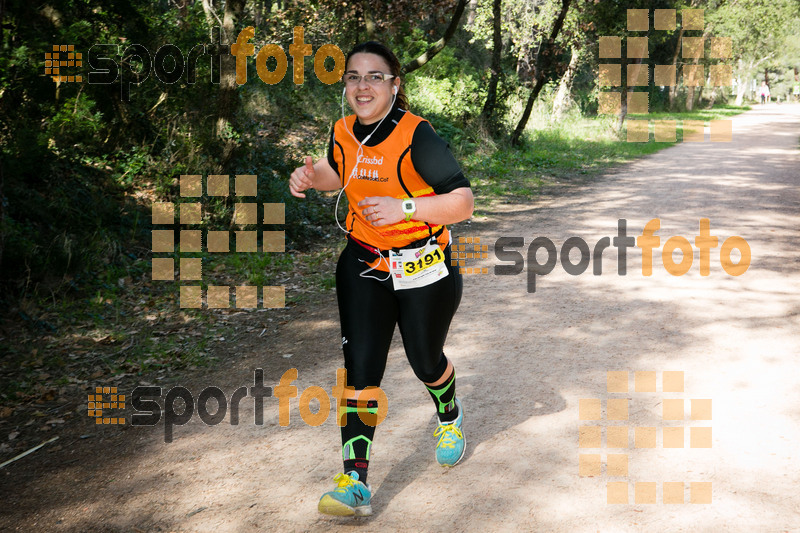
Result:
[[524, 361]]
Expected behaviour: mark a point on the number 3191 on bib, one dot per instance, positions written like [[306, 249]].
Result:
[[428, 260], [417, 267]]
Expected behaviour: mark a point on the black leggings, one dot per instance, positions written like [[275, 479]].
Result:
[[369, 310]]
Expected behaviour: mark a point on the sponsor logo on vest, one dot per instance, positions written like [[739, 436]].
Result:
[[370, 175], [370, 160]]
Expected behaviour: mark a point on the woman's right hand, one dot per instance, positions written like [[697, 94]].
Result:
[[302, 178]]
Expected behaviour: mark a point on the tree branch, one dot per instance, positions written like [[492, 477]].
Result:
[[439, 45], [544, 60]]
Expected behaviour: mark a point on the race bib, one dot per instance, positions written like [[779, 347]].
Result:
[[417, 267]]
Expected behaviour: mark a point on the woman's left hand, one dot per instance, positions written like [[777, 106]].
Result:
[[382, 210]]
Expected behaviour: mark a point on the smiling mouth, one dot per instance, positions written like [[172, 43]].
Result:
[[364, 99]]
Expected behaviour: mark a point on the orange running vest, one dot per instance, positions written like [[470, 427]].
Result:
[[383, 170]]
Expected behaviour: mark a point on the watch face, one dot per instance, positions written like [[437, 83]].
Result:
[[408, 205]]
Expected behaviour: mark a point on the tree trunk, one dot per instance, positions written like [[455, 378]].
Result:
[[623, 109], [439, 45], [182, 12], [526, 114], [2, 214], [3, 18], [473, 6], [692, 97], [258, 12], [562, 100], [673, 89], [228, 99], [740, 93], [689, 98], [497, 42], [543, 62], [696, 97], [369, 22], [741, 85], [211, 15], [713, 98]]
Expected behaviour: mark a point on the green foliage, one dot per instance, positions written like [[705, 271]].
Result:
[[764, 37], [445, 96], [449, 85], [81, 165]]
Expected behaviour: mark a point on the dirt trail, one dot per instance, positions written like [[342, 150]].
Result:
[[524, 361]]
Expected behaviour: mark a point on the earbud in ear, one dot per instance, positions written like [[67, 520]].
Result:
[[395, 89]]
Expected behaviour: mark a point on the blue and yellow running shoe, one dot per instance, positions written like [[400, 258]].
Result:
[[452, 444], [350, 498]]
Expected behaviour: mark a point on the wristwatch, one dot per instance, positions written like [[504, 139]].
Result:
[[409, 207]]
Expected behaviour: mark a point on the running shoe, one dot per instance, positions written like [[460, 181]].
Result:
[[350, 498], [452, 444]]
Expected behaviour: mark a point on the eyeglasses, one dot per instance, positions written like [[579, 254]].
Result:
[[373, 78]]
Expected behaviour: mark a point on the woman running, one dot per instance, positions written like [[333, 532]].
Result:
[[403, 186]]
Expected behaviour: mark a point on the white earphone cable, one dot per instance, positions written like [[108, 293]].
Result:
[[359, 153]]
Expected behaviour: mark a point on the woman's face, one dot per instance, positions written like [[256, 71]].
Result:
[[369, 102]]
